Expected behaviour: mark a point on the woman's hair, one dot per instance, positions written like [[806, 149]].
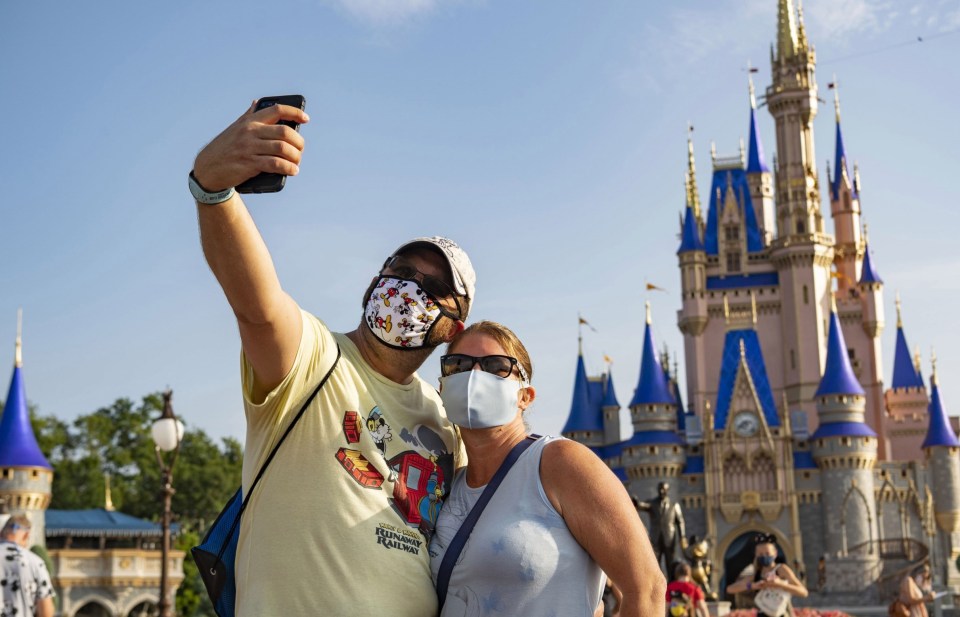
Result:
[[504, 336]]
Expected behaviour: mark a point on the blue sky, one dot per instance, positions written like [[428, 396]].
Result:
[[548, 138]]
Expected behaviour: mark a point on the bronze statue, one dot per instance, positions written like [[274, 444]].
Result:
[[667, 531], [700, 565]]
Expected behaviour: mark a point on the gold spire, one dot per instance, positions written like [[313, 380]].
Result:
[[107, 499], [753, 92], [836, 96], [743, 153], [753, 306], [933, 363], [899, 317], [726, 309], [713, 152], [917, 357], [856, 177], [18, 346], [801, 30], [693, 195], [833, 299], [649, 320], [786, 30]]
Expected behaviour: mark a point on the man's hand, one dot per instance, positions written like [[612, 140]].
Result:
[[254, 143]]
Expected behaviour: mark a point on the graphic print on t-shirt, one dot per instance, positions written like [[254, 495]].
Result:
[[419, 482]]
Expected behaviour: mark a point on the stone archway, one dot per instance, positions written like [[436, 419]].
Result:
[[93, 609]]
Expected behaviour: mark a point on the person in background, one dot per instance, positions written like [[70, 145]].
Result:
[[557, 523], [916, 589], [26, 588], [683, 583], [768, 574]]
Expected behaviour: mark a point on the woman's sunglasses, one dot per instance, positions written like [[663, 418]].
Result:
[[501, 366]]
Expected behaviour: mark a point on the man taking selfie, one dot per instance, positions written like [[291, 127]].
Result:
[[340, 521]]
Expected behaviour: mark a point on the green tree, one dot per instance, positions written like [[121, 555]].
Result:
[[116, 440]]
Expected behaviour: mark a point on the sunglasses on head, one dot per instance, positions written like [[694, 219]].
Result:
[[501, 366], [435, 286]]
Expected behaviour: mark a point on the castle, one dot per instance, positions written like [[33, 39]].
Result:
[[104, 563], [788, 428]]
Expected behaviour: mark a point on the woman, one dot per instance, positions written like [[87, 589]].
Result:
[[559, 520], [916, 590], [776, 581]]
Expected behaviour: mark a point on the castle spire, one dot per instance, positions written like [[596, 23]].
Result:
[[755, 160], [939, 431], [693, 195], [841, 171], [905, 373], [838, 377], [584, 415], [786, 30], [18, 444], [18, 345], [652, 388]]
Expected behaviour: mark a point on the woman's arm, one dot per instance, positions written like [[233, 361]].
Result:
[[599, 514], [788, 582], [742, 585]]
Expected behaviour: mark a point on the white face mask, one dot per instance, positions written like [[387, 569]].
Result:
[[401, 314], [476, 399]]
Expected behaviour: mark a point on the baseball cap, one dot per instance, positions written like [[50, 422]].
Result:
[[464, 278]]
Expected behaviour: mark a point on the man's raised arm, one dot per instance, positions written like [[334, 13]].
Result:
[[269, 319]]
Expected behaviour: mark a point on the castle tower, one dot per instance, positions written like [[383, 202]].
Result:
[[585, 423], [611, 411], [655, 453], [25, 474], [906, 401], [802, 253], [845, 450], [845, 209], [692, 318], [865, 342], [942, 450], [758, 175]]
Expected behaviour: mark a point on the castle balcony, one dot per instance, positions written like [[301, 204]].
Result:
[[767, 503]]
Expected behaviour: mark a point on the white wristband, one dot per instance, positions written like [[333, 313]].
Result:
[[205, 197]]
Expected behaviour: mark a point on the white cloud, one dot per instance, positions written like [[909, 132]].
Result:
[[838, 18], [387, 12]]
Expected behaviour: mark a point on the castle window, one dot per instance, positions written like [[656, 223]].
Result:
[[793, 360], [34, 474], [801, 228], [806, 475], [733, 262], [731, 232], [653, 449], [806, 295]]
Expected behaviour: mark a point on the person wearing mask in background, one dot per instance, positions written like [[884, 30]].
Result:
[[916, 590], [559, 520], [773, 584], [26, 588], [340, 521]]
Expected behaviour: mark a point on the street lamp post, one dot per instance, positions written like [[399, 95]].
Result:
[[167, 432]]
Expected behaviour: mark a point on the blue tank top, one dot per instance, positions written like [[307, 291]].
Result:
[[520, 559]]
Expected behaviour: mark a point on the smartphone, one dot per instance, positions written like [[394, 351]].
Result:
[[268, 182]]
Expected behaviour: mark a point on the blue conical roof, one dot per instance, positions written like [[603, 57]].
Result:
[[690, 238], [905, 374], [939, 432], [839, 167], [652, 388], [584, 415], [609, 395], [755, 162], [838, 377], [868, 274], [18, 444]]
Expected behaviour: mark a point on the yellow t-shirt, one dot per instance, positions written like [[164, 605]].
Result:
[[334, 527]]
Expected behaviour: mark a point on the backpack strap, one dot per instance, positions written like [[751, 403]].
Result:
[[460, 540], [273, 452]]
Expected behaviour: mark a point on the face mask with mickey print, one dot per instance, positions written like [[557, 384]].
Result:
[[400, 314]]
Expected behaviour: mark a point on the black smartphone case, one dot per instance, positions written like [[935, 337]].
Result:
[[267, 182]]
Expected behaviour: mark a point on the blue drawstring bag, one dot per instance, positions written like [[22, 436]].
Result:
[[216, 554], [218, 549]]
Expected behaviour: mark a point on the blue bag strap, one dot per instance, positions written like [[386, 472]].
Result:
[[460, 540], [266, 463]]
